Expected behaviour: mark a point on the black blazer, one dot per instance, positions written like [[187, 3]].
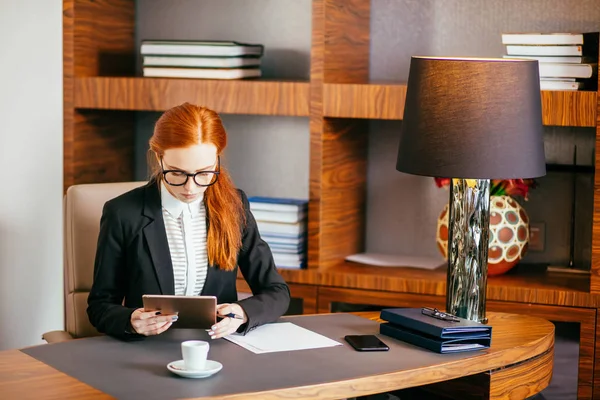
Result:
[[133, 259]]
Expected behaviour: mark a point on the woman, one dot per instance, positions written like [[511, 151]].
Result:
[[184, 233]]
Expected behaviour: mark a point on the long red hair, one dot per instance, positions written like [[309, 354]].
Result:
[[187, 125]]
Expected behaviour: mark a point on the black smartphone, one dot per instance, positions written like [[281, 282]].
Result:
[[366, 343]]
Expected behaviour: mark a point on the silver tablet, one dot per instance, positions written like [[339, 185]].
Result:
[[195, 312]]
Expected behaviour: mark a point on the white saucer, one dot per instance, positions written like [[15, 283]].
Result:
[[211, 368]]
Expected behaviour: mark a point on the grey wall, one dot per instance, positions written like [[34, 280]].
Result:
[[402, 210], [31, 284], [269, 155]]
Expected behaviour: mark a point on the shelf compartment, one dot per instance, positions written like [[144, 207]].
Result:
[[552, 288], [257, 97], [386, 101]]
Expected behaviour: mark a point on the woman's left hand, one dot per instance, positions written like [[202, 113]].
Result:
[[227, 325]]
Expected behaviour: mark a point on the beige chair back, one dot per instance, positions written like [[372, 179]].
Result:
[[82, 211]]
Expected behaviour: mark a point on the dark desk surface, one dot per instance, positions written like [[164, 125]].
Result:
[[103, 367]]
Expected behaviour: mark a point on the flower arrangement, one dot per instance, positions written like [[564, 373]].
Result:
[[500, 187]]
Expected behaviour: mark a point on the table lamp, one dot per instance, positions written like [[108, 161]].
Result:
[[471, 120]]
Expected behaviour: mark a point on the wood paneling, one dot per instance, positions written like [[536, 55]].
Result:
[[103, 146], [586, 318], [339, 53], [522, 380], [259, 97], [363, 100], [386, 101], [23, 377], [98, 39], [595, 269], [569, 108]]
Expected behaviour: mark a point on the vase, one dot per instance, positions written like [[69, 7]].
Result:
[[508, 234]]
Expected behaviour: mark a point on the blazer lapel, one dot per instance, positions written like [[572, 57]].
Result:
[[156, 239], [207, 284]]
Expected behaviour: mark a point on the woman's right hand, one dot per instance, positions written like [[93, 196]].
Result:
[[150, 323]]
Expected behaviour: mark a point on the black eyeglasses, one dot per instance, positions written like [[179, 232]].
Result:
[[435, 313], [175, 177]]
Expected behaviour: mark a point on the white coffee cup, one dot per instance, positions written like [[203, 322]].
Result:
[[194, 354]]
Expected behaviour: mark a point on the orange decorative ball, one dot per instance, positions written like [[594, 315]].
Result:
[[509, 234]]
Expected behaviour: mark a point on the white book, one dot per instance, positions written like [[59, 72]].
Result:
[[201, 73], [555, 70], [279, 216], [517, 50], [559, 85], [266, 228], [199, 48], [555, 59], [542, 38], [200, 62]]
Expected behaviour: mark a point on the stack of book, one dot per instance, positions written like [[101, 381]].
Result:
[[567, 61], [201, 59], [282, 223]]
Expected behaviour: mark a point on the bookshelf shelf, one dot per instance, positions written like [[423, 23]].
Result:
[[260, 97], [386, 101], [550, 288]]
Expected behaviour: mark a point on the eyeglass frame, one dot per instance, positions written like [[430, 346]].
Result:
[[187, 176]]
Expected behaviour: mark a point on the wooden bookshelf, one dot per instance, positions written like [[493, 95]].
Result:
[[386, 101], [257, 97], [102, 94]]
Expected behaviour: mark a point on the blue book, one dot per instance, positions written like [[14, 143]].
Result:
[[277, 204]]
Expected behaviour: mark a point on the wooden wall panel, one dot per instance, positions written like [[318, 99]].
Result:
[[98, 39], [103, 146], [595, 269], [340, 53]]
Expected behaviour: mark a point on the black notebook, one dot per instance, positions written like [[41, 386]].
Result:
[[412, 326]]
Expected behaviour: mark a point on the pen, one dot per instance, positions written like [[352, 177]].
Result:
[[234, 316]]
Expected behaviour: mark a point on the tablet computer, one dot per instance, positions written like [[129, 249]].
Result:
[[195, 312]]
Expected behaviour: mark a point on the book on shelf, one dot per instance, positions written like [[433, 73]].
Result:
[[560, 70], [202, 73], [279, 216], [541, 39], [282, 223], [200, 48], [534, 50], [567, 61], [557, 59], [200, 62], [551, 84], [277, 204]]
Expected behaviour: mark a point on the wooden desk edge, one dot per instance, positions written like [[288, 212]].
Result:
[[56, 384]]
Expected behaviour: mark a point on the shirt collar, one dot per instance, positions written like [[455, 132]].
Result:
[[175, 206]]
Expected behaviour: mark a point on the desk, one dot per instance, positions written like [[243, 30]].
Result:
[[519, 364]]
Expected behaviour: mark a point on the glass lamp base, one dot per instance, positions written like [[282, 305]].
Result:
[[469, 220]]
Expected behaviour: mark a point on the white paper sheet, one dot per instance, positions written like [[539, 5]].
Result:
[[392, 260], [284, 336]]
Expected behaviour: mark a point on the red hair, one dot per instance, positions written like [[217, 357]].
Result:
[[187, 125]]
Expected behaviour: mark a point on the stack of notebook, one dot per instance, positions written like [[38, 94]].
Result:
[[567, 61], [201, 59], [435, 330], [282, 224]]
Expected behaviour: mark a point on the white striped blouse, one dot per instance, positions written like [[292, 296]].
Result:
[[185, 224]]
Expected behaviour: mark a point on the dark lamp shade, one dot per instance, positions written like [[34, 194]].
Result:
[[472, 118]]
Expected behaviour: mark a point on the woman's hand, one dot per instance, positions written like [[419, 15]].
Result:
[[227, 325], [150, 323]]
